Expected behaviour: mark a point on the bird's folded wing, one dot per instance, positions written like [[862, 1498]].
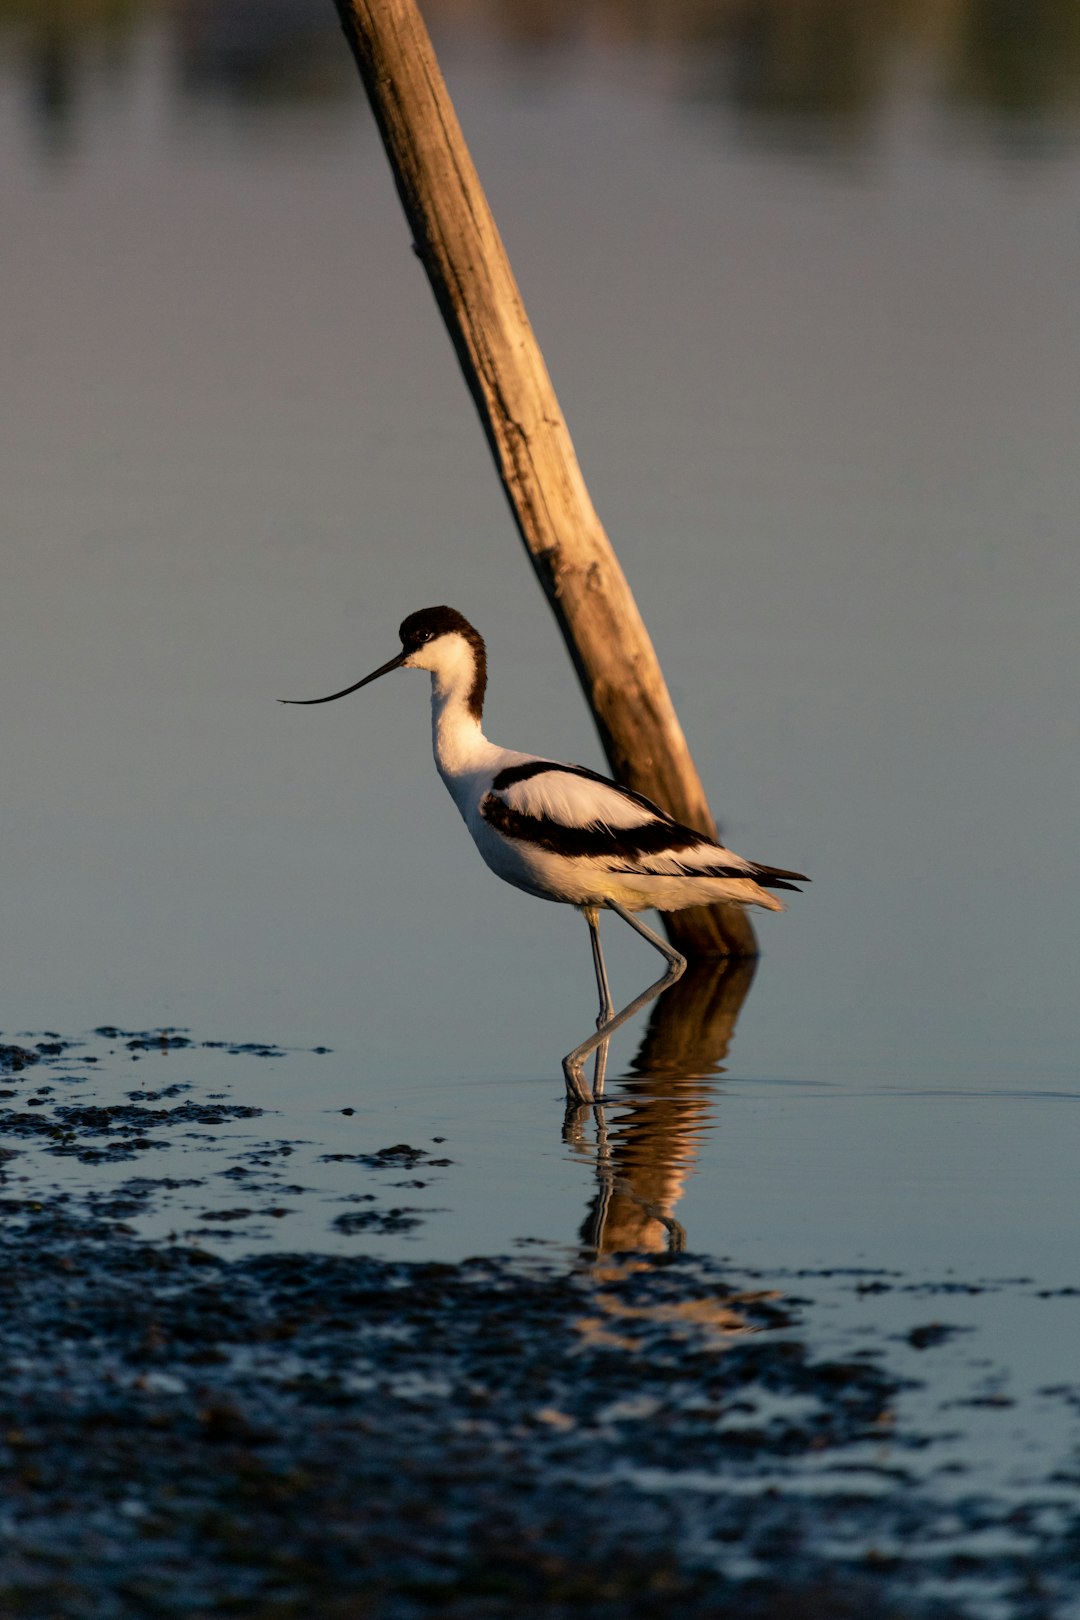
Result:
[[571, 811], [573, 796]]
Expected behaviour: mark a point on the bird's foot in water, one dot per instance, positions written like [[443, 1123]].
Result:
[[577, 1088]]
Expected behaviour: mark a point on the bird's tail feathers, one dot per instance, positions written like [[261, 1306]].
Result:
[[775, 877]]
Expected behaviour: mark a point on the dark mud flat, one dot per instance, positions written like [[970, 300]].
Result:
[[285, 1436], [305, 1435]]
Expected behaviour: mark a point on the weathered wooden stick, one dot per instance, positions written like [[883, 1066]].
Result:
[[457, 240]]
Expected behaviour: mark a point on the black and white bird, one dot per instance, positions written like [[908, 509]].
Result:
[[563, 832]]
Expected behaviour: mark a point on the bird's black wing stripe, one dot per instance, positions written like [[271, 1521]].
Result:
[[680, 871], [766, 877], [522, 773], [618, 843], [537, 767]]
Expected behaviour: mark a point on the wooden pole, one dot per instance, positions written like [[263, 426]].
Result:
[[458, 243]]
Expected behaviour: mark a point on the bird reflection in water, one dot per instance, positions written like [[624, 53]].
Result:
[[646, 1139]]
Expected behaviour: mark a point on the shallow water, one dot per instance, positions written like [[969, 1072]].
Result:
[[820, 352]]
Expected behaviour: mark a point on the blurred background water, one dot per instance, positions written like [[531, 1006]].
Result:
[[806, 276]]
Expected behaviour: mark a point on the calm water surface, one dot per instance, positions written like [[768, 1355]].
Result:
[[818, 341]]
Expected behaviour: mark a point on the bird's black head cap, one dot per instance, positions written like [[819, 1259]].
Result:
[[429, 624]]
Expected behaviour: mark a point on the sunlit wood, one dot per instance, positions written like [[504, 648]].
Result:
[[457, 240]]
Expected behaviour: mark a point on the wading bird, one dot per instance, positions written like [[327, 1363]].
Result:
[[562, 832]]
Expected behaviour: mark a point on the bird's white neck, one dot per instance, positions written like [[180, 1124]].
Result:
[[457, 736]]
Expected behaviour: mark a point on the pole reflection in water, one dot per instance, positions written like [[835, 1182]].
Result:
[[646, 1139]]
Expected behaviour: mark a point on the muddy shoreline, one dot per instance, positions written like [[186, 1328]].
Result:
[[285, 1435], [313, 1434]]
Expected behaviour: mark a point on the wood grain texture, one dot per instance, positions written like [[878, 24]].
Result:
[[457, 240]]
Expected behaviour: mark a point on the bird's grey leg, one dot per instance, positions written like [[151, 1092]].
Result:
[[573, 1063], [600, 1069], [607, 1006], [577, 1092]]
